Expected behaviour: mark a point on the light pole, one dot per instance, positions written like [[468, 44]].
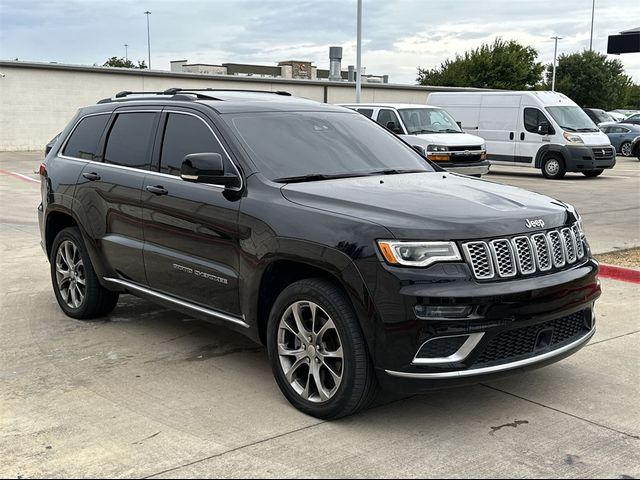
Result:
[[593, 12], [147, 13], [555, 55], [126, 52], [359, 55]]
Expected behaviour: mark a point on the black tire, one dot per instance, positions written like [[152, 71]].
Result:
[[593, 173], [625, 149], [97, 300], [358, 386], [553, 167]]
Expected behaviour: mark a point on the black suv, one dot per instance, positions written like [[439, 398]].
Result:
[[314, 230]]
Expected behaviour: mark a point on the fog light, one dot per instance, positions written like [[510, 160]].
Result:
[[442, 311]]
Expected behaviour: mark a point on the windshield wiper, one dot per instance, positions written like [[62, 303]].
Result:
[[313, 177], [395, 171], [417, 132], [569, 129], [449, 130], [588, 130]]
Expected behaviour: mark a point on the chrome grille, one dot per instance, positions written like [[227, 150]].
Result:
[[525, 254], [480, 258]]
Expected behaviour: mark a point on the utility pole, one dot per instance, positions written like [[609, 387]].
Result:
[[126, 52], [555, 55], [593, 12], [147, 13], [359, 55]]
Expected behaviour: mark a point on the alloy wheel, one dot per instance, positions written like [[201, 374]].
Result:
[[310, 351], [626, 149], [70, 274]]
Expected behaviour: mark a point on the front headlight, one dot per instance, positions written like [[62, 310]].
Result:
[[483, 146], [437, 148], [418, 254], [572, 138]]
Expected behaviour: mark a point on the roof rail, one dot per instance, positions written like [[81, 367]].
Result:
[[177, 93]]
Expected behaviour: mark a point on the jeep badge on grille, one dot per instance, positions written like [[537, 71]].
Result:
[[539, 223]]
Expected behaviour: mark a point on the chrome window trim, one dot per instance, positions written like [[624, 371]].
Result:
[[494, 257], [182, 303], [463, 352], [497, 368]]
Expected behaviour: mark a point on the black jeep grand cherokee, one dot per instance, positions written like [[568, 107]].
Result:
[[317, 232]]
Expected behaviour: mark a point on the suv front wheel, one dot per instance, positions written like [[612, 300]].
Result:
[[75, 283], [317, 351]]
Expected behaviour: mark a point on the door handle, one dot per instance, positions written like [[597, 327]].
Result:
[[157, 190], [91, 176], [511, 135], [522, 136]]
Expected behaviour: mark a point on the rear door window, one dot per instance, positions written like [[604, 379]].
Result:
[[130, 140], [186, 134], [367, 112], [83, 142]]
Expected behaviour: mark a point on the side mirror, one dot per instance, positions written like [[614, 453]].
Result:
[[420, 149], [393, 127], [543, 128], [459, 125], [207, 168]]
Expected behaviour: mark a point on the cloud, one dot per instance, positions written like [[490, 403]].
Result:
[[399, 35]]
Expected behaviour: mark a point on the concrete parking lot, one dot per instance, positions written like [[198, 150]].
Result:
[[148, 392]]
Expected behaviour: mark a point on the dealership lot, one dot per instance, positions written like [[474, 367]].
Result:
[[148, 392]]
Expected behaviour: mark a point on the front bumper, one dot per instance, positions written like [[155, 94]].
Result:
[[583, 158], [466, 168], [545, 312]]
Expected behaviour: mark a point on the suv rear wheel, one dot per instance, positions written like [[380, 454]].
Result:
[[75, 283], [553, 167], [317, 351], [625, 149]]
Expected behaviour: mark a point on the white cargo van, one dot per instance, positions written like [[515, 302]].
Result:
[[544, 130], [434, 132]]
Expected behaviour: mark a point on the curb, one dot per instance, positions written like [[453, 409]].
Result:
[[620, 274]]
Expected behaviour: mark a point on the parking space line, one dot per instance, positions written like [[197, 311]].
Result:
[[20, 176]]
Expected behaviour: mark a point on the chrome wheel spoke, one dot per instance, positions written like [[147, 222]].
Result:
[[297, 316], [329, 325], [336, 377], [290, 374], [337, 354]]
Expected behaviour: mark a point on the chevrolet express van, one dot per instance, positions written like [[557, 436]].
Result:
[[544, 130]]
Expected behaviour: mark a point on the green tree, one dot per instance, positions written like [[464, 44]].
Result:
[[501, 64], [592, 80], [122, 63]]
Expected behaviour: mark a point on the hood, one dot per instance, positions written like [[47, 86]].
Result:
[[594, 139], [448, 139], [431, 205]]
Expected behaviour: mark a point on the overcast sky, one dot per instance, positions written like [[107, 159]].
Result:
[[399, 35]]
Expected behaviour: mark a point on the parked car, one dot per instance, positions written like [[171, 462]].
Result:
[[633, 119], [433, 130], [598, 116], [317, 232], [617, 116], [621, 136], [544, 130], [635, 147]]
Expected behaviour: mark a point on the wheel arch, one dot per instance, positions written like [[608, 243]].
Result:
[[547, 150]]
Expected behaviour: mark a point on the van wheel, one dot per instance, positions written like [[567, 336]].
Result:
[[75, 283], [553, 167], [593, 173], [317, 351], [625, 149]]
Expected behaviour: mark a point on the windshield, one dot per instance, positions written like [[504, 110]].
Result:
[[428, 120], [572, 119], [286, 145]]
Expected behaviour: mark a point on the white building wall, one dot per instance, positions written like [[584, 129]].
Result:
[[37, 100]]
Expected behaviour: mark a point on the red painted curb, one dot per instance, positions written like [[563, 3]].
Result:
[[621, 274], [24, 178]]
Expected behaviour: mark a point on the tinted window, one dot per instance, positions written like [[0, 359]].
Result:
[[183, 135], [84, 139], [367, 112], [288, 144], [386, 116], [428, 120], [130, 140], [533, 118]]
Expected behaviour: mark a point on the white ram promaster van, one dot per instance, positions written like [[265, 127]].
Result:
[[433, 130], [545, 130]]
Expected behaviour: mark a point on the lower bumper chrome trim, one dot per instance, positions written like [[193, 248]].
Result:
[[497, 368], [182, 303]]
